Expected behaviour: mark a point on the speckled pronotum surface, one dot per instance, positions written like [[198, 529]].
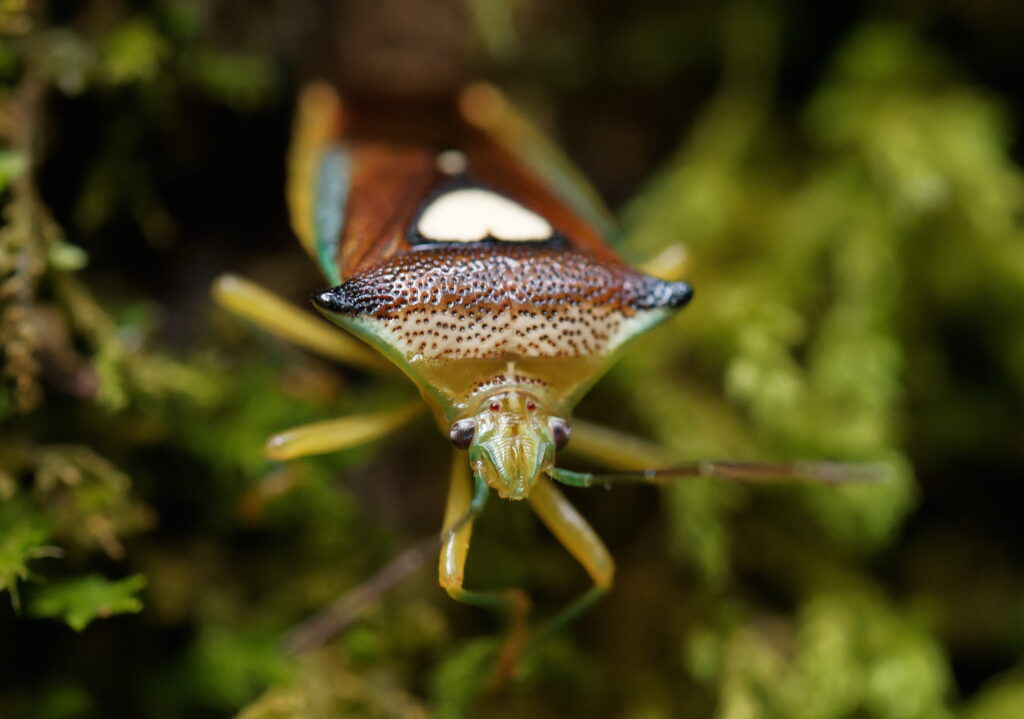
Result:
[[497, 299]]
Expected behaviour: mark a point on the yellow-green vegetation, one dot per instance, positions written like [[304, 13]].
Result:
[[851, 200]]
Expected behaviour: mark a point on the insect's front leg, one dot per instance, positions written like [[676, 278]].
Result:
[[279, 317], [466, 500], [581, 541]]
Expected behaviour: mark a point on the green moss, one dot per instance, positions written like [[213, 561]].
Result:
[[850, 206], [78, 602]]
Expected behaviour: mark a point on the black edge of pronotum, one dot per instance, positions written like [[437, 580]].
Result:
[[334, 300], [659, 294]]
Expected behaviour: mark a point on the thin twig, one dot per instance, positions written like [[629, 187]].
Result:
[[338, 616]]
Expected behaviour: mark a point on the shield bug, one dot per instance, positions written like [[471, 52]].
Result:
[[469, 254]]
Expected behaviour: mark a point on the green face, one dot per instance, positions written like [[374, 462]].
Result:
[[511, 441]]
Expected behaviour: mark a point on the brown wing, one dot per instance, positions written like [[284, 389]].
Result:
[[506, 173], [362, 171], [389, 185], [511, 155]]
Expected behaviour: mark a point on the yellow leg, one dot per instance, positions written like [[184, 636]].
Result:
[[582, 542], [613, 448], [278, 317], [336, 434], [455, 547], [464, 503], [669, 264]]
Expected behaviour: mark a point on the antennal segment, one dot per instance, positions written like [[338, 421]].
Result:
[[822, 471]]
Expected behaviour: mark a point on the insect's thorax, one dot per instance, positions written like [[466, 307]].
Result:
[[472, 291], [455, 388], [466, 319]]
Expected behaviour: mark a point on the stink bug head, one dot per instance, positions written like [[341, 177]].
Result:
[[513, 442]]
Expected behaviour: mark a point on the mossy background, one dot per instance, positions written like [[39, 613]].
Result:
[[847, 183]]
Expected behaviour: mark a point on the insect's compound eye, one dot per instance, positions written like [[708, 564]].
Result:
[[462, 433], [560, 430]]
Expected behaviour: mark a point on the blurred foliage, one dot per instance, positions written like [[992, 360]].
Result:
[[850, 198], [80, 601]]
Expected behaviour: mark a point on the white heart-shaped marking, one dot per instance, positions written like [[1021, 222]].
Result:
[[473, 214]]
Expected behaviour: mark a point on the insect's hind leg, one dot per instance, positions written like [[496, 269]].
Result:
[[279, 317], [581, 541], [465, 502], [669, 264]]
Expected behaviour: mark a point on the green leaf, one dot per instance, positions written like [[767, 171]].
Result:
[[462, 677], [67, 257], [242, 81], [19, 544], [228, 666], [1000, 698], [12, 164], [134, 52], [79, 601]]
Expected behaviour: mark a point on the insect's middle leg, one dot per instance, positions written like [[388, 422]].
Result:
[[465, 502], [333, 435], [582, 542]]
